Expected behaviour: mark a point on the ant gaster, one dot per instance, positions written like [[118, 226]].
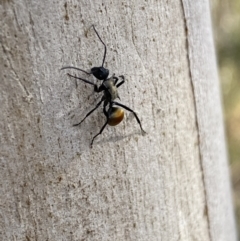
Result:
[[109, 87]]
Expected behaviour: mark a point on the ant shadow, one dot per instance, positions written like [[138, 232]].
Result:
[[83, 129], [116, 138]]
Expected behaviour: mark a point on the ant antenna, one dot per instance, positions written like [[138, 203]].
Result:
[[71, 67], [105, 48]]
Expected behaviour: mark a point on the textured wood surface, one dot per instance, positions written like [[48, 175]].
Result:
[[171, 184]]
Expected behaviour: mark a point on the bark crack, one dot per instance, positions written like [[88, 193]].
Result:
[[188, 48]]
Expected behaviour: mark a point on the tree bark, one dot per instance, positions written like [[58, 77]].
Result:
[[171, 184]]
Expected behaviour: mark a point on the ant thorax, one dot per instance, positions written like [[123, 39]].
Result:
[[111, 92]]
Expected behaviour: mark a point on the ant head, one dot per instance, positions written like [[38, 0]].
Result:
[[100, 73]]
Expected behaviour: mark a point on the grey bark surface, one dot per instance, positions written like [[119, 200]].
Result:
[[171, 184]]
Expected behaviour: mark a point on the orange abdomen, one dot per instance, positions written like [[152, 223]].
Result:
[[116, 116]]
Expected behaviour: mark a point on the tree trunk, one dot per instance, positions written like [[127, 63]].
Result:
[[170, 184]]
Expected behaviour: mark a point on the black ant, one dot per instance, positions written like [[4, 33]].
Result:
[[109, 87]]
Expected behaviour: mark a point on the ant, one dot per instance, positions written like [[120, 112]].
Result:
[[109, 87]]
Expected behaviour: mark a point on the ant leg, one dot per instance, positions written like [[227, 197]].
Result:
[[123, 80], [71, 67], [127, 108], [90, 112], [105, 48], [100, 132], [116, 80]]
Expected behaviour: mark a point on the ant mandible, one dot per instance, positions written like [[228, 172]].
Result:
[[109, 87]]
